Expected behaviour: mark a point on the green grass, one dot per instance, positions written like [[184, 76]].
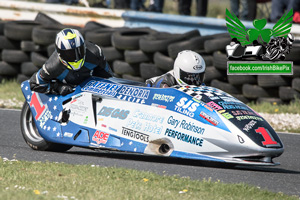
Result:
[[10, 94], [36, 180], [293, 107]]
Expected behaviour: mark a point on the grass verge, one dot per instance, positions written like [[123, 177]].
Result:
[[36, 180]]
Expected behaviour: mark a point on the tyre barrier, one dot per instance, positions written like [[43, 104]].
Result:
[[140, 53]]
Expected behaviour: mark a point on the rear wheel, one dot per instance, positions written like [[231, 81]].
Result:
[[32, 136]]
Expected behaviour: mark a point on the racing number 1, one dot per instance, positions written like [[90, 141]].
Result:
[[269, 140]]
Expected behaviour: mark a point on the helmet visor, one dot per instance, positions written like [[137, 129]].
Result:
[[72, 55], [191, 78]]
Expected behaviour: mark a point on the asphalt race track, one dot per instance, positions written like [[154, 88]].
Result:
[[282, 178]]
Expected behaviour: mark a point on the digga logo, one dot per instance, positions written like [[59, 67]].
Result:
[[113, 112]]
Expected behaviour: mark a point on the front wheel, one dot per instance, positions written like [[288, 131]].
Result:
[[31, 135]]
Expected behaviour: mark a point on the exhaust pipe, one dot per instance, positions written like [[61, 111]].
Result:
[[162, 146]]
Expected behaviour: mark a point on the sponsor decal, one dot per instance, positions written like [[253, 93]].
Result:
[[113, 112], [44, 118], [186, 107], [100, 137], [249, 125], [135, 134], [242, 112], [231, 105], [86, 120], [227, 115], [107, 89], [184, 137], [78, 110], [159, 106], [214, 98], [67, 134], [209, 118], [231, 99], [162, 97], [146, 122], [214, 105], [185, 125], [112, 129], [148, 116], [240, 118], [133, 94]]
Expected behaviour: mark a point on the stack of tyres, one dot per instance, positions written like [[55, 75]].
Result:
[[140, 53]]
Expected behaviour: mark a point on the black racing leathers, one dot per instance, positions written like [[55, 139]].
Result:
[[55, 78]]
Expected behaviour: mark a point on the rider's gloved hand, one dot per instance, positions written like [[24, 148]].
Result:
[[59, 88]]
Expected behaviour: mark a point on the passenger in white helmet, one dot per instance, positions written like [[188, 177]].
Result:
[[73, 61], [189, 69]]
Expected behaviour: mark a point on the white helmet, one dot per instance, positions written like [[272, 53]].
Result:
[[189, 68]]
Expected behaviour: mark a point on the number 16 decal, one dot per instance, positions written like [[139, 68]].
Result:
[[269, 140]]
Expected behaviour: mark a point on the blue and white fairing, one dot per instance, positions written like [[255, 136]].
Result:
[[188, 122]]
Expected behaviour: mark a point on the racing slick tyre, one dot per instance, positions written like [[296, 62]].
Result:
[[212, 73], [101, 36], [163, 62], [28, 68], [121, 67], [288, 93], [220, 60], [269, 81], [38, 59], [296, 84], [255, 91], [8, 69], [2, 24], [158, 42], [21, 78], [128, 39], [296, 72], [45, 19], [20, 30], [226, 87], [45, 35], [133, 78], [241, 97], [14, 56], [112, 54], [161, 40], [32, 136], [50, 49], [241, 79], [136, 56], [149, 70], [294, 54], [217, 44], [92, 25], [29, 46], [6, 43]]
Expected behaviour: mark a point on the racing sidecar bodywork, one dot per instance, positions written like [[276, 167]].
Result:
[[201, 123]]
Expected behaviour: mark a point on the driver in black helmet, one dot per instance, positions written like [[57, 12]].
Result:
[[73, 61]]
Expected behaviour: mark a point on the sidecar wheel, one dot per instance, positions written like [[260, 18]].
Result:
[[32, 136]]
